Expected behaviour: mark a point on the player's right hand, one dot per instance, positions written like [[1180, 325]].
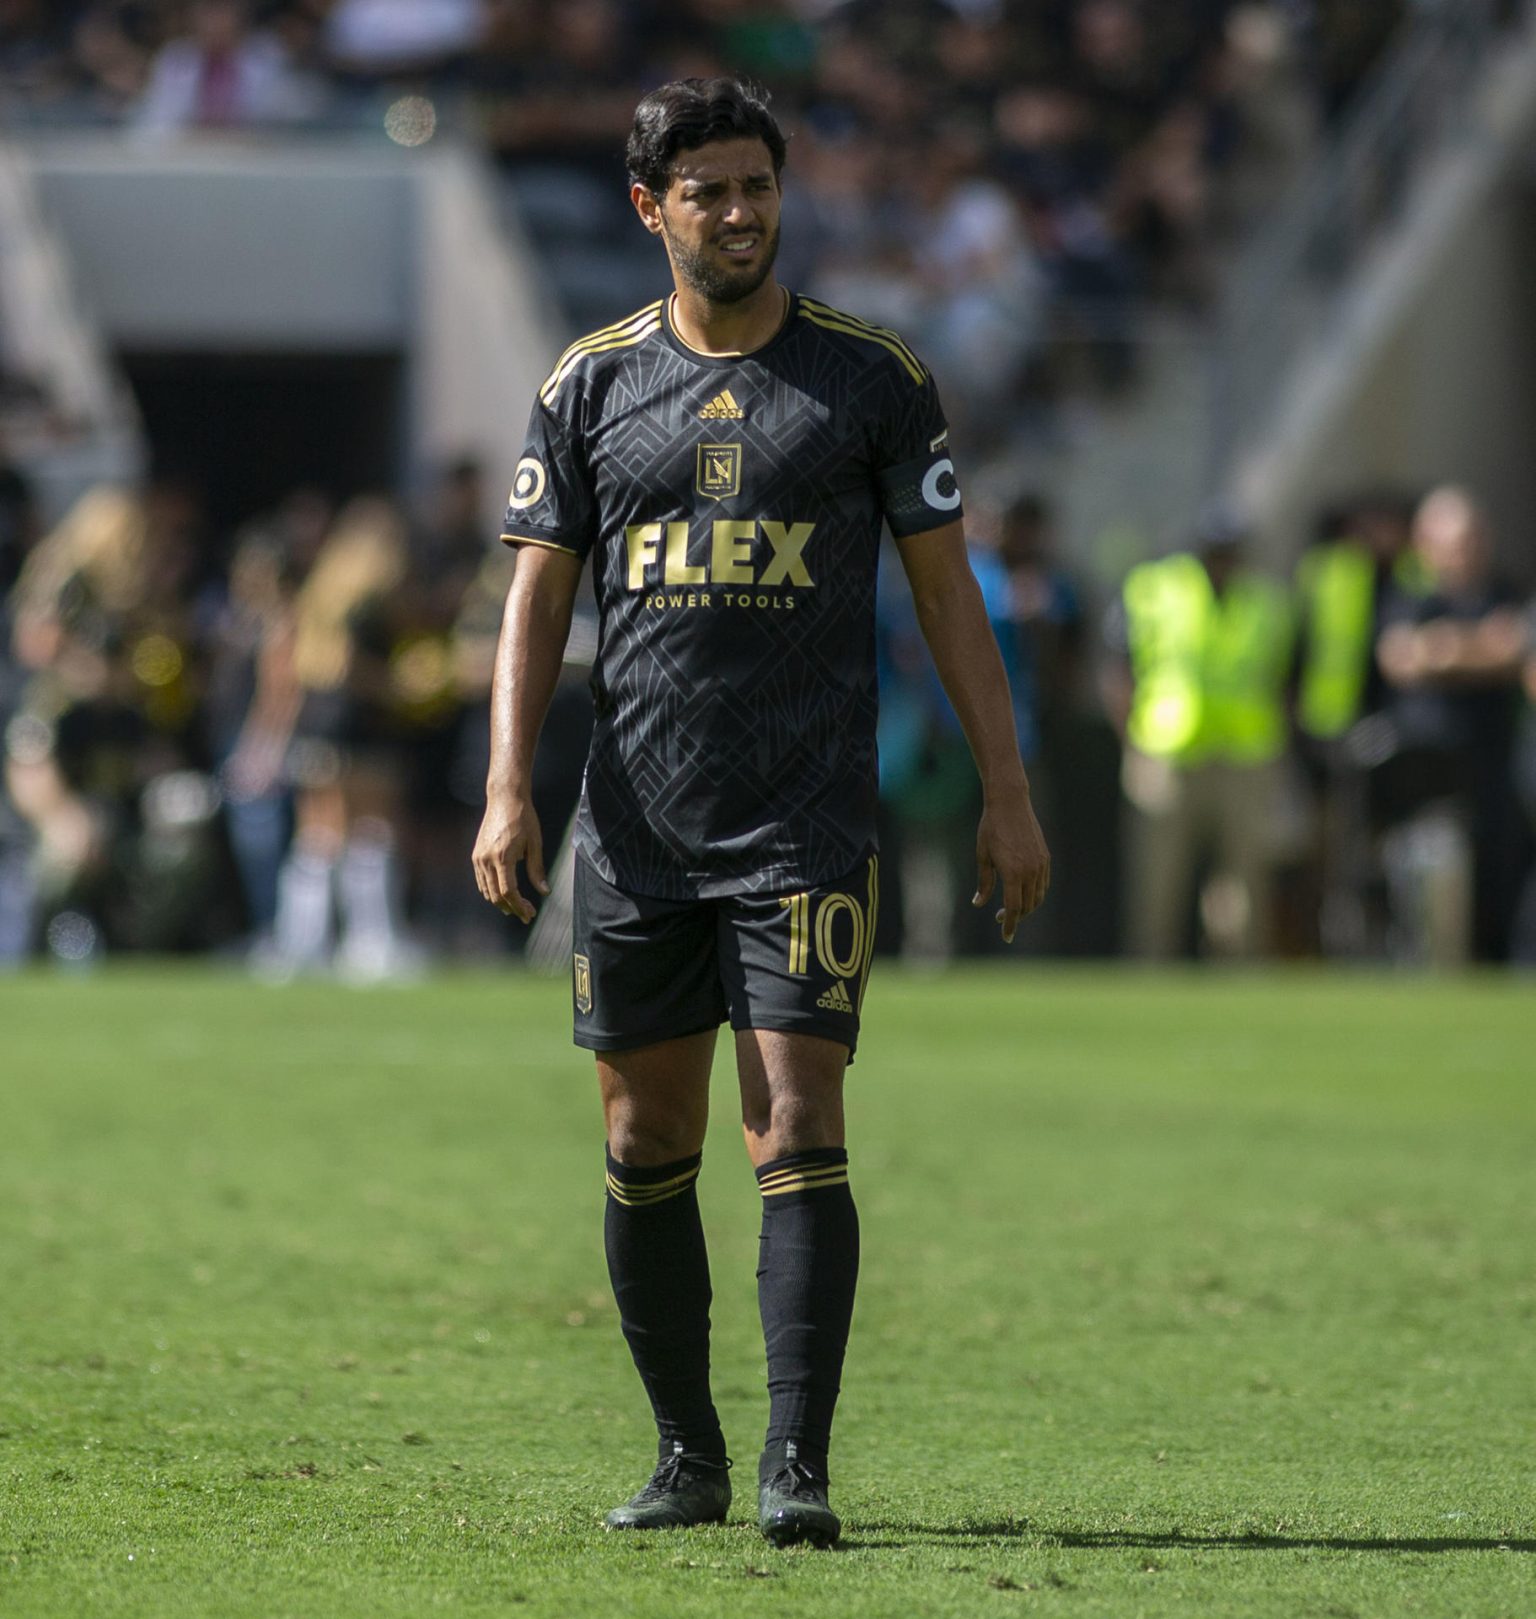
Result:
[[509, 834]]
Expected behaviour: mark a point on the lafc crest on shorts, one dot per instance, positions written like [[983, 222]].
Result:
[[582, 971]]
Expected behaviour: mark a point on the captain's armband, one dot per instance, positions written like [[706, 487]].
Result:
[[922, 493]]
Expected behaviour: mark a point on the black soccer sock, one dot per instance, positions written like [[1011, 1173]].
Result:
[[660, 1273], [808, 1267]]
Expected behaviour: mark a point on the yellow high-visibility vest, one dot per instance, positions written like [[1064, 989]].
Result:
[[1337, 587], [1209, 670]]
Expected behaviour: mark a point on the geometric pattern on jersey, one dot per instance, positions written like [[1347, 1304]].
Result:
[[732, 506]]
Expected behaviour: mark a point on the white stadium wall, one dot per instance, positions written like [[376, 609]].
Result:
[[1449, 392], [330, 247], [1427, 370]]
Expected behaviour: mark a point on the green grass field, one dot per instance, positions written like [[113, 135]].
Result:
[[1181, 1295]]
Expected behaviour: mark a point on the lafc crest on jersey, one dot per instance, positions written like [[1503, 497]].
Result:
[[719, 471]]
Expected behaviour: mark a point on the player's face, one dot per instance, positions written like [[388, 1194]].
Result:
[[720, 219]]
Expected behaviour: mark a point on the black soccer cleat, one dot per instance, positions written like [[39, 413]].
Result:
[[792, 1505], [684, 1490]]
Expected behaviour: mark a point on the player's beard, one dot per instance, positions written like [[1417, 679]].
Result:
[[704, 275]]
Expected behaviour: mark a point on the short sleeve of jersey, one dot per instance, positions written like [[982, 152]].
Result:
[[551, 501], [912, 459]]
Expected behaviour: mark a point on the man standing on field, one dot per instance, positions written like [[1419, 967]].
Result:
[[726, 456]]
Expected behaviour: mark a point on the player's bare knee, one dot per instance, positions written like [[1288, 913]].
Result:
[[780, 1120], [645, 1136]]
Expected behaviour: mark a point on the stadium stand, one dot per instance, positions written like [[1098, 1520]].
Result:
[[1076, 209]]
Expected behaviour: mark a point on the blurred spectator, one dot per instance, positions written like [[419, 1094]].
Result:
[[930, 795], [1035, 610], [1062, 172], [928, 787], [1045, 610], [253, 695], [1362, 558], [221, 75], [448, 547], [1452, 660], [101, 754], [559, 86], [981, 293], [1202, 647], [110, 52], [1360, 562], [345, 760], [1075, 764]]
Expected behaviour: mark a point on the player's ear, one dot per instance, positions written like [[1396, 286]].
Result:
[[648, 208]]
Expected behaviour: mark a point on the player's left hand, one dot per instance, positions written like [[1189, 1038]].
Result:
[[1010, 848]]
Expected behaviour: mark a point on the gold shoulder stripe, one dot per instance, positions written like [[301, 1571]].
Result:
[[857, 320], [550, 388], [639, 325], [609, 331], [913, 367], [864, 325], [592, 339]]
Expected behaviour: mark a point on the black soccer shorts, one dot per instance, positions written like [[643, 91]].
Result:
[[652, 969]]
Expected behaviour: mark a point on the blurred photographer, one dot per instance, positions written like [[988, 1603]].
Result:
[[1452, 658]]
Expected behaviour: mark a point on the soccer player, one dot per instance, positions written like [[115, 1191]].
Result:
[[726, 457]]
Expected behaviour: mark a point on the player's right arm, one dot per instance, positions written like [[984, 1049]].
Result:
[[534, 628], [552, 520]]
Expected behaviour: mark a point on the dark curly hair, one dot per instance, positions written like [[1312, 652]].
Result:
[[690, 113]]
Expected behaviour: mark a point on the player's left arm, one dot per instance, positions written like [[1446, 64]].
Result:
[[1010, 847]]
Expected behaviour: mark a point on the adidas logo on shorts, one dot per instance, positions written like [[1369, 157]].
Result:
[[836, 999]]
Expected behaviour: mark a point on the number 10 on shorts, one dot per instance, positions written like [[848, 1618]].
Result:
[[844, 962]]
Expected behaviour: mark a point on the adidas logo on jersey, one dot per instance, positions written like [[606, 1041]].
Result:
[[836, 998], [723, 408]]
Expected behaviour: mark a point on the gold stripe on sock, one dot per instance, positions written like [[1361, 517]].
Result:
[[638, 1194], [804, 1180], [803, 1169]]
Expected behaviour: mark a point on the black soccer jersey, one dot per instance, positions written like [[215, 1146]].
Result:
[[732, 506]]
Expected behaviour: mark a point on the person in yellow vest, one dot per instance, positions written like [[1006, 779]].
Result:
[[1200, 693], [1361, 561], [1362, 557]]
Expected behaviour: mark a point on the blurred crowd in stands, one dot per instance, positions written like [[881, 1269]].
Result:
[[279, 741], [1005, 181], [274, 742], [276, 746]]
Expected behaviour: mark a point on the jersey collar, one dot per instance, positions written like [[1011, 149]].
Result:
[[698, 357]]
